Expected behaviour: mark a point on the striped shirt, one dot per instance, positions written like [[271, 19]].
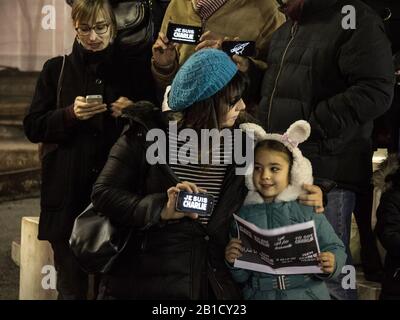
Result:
[[206, 8], [186, 164]]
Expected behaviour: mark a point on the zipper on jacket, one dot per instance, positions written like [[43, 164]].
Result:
[[293, 33], [269, 216]]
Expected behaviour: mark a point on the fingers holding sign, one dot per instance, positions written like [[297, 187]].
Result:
[[169, 212]]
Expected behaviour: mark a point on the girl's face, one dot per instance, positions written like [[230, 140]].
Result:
[[271, 173], [94, 35], [235, 106]]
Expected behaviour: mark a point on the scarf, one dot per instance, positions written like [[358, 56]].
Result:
[[206, 8]]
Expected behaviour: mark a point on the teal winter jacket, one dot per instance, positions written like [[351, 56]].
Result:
[[257, 285]]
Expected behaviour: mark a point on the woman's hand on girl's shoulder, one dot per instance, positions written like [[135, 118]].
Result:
[[313, 197]]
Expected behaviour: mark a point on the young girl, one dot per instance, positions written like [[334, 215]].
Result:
[[280, 170]]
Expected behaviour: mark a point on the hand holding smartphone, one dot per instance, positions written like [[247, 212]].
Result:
[[85, 108], [240, 48], [200, 203], [180, 33], [94, 98]]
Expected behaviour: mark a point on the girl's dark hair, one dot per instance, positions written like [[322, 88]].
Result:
[[208, 113], [274, 145]]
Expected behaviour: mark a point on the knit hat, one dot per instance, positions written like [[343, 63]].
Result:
[[204, 74], [301, 170]]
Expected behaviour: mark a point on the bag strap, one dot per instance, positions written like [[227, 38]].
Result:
[[44, 148], [59, 83]]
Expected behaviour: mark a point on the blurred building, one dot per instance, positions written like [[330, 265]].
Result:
[[25, 40]]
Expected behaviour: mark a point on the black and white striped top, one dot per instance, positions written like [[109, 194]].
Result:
[[208, 177]]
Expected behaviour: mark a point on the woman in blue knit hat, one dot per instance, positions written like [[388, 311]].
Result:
[[173, 254]]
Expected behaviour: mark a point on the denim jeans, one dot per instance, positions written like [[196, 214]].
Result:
[[340, 206]]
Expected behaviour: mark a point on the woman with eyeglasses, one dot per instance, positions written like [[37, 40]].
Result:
[[77, 131]]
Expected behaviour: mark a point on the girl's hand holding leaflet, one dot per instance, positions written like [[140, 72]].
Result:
[[233, 250]]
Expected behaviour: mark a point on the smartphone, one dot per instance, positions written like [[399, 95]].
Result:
[[241, 48], [201, 203], [94, 98], [181, 33]]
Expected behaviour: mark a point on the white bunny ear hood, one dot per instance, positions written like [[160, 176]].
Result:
[[301, 171]]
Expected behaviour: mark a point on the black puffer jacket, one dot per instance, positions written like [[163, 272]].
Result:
[[387, 179], [69, 171], [339, 80], [176, 260]]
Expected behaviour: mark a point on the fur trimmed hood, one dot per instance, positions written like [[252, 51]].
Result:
[[301, 171], [387, 173]]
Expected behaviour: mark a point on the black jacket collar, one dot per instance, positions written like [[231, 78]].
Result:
[[100, 62]]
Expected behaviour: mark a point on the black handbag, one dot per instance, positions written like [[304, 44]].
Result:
[[135, 27], [96, 242]]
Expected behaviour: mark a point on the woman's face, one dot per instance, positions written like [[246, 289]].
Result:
[[94, 35], [235, 106]]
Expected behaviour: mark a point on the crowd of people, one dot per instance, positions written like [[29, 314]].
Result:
[[310, 82]]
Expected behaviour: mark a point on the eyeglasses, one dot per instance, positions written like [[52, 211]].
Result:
[[85, 30]]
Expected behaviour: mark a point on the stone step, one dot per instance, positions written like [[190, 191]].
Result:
[[367, 290], [14, 108], [18, 154], [16, 83], [19, 184], [11, 129]]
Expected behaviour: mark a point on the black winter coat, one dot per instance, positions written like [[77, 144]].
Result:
[[339, 80], [174, 260], [69, 171], [387, 179]]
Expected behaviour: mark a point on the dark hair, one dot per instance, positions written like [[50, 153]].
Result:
[[273, 145], [208, 113]]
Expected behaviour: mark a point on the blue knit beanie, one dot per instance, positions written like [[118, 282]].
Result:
[[204, 74]]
